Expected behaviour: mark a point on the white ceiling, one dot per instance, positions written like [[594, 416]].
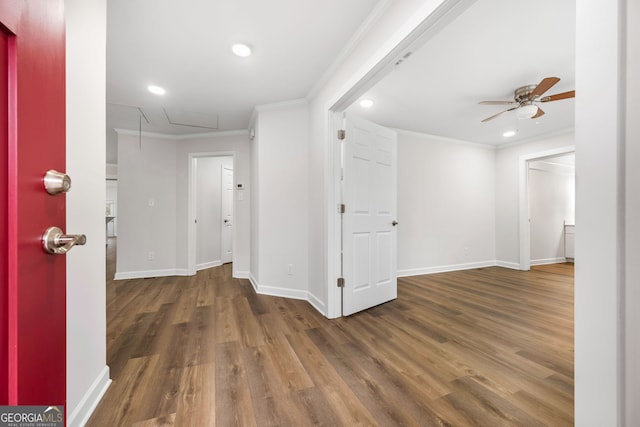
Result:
[[493, 48], [486, 53], [185, 47]]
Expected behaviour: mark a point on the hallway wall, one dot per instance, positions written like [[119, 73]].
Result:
[[87, 370]]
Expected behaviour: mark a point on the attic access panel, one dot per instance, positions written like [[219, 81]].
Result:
[[191, 118]]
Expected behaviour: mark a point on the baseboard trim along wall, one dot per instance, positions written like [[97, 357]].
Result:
[[445, 268], [506, 264], [210, 264], [241, 274], [253, 282], [548, 261], [92, 397], [469, 266], [317, 303], [274, 291], [151, 273]]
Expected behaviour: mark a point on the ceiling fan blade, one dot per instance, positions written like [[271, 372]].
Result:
[[538, 114], [497, 102], [558, 96], [502, 112], [543, 86]]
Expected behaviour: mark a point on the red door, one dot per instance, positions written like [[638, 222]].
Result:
[[32, 141]]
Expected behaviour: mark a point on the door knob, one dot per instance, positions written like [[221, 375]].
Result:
[[226, 221], [56, 182], [394, 223], [57, 243]]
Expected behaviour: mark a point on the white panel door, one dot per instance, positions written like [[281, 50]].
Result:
[[369, 232], [227, 214]]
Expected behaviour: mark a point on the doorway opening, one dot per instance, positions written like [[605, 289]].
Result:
[[525, 201], [552, 209], [210, 233], [111, 223]]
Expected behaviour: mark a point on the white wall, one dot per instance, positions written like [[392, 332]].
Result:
[[146, 207], [255, 202], [600, 209], [632, 225], [209, 210], [280, 155], [87, 373], [448, 208], [551, 205], [446, 204], [157, 170], [507, 193]]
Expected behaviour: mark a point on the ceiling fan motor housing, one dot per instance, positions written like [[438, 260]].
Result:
[[522, 93]]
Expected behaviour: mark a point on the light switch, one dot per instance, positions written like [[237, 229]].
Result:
[[152, 203]]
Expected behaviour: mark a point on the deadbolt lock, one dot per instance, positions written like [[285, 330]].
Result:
[[56, 182]]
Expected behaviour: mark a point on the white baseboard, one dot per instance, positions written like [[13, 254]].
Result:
[[253, 281], [317, 303], [241, 274], [548, 261], [445, 268], [88, 403], [151, 273], [506, 264], [210, 264], [275, 291]]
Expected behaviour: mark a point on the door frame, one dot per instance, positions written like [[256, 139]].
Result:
[[424, 24], [191, 206], [524, 214]]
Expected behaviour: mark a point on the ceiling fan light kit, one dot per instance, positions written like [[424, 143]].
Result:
[[526, 111], [525, 98]]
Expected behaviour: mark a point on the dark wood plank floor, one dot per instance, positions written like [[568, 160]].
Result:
[[486, 347]]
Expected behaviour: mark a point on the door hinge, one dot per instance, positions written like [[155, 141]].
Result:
[[342, 134], [342, 208], [341, 282]]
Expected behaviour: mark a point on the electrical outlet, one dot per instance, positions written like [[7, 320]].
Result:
[[151, 256], [290, 269]]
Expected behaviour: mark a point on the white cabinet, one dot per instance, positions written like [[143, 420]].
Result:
[[569, 241]]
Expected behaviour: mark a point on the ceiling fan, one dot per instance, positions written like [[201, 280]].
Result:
[[526, 98]]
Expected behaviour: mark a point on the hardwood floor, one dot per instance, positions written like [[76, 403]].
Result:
[[486, 347]]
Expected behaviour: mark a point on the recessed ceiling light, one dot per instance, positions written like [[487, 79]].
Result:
[[366, 103], [509, 133], [156, 90], [240, 49]]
